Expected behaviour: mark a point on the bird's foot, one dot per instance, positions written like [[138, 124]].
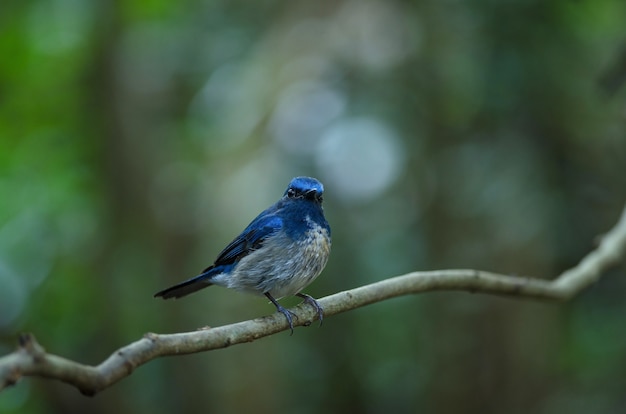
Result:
[[318, 308], [288, 314]]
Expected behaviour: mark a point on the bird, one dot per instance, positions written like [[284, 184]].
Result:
[[278, 254]]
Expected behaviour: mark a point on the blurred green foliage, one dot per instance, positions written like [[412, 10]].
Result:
[[137, 138]]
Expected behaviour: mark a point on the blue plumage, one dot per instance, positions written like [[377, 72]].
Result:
[[280, 252]]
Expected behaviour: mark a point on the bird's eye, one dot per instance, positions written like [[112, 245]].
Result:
[[291, 193], [320, 198]]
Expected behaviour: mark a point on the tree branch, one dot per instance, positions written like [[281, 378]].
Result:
[[31, 359]]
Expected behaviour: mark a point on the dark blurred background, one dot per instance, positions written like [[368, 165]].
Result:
[[138, 137]]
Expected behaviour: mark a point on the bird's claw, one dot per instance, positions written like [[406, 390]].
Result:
[[318, 308], [288, 314]]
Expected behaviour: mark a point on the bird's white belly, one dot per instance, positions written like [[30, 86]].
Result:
[[282, 266]]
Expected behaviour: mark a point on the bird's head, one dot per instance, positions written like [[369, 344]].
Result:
[[306, 188]]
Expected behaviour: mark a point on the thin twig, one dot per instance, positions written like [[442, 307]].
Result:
[[31, 359]]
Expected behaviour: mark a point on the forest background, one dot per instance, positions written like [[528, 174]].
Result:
[[138, 137]]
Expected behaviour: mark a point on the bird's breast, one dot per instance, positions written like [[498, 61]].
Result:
[[317, 241], [285, 264]]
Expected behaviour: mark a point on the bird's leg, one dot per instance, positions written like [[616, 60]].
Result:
[[282, 310], [318, 308]]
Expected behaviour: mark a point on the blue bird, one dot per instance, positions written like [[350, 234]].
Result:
[[280, 252]]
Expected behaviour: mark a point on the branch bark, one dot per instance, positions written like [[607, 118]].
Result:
[[31, 359]]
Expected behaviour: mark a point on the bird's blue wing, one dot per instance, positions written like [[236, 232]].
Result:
[[250, 239]]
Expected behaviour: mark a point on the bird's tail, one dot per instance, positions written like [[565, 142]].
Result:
[[188, 286]]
